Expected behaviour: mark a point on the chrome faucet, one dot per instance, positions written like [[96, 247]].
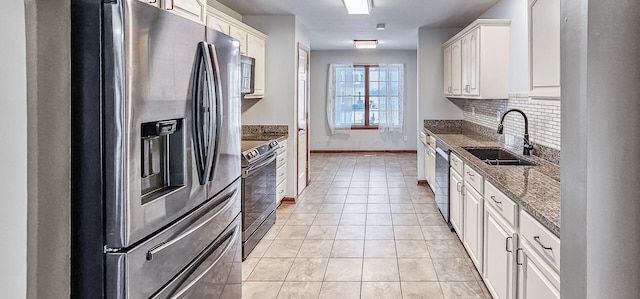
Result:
[[527, 145]]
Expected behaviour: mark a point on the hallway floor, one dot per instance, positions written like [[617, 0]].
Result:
[[362, 229]]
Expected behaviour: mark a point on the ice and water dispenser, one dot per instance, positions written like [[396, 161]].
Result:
[[162, 158]]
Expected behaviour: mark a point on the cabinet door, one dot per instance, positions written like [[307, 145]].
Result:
[[498, 255], [241, 36], [256, 49], [473, 225], [456, 68], [471, 63], [191, 9], [455, 202], [217, 24], [447, 70], [544, 48], [535, 278]]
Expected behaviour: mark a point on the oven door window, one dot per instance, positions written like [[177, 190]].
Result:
[[258, 193]]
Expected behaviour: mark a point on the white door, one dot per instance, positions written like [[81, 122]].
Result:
[[302, 122], [456, 68], [536, 279], [471, 63], [455, 204], [447, 70], [473, 225], [498, 253]]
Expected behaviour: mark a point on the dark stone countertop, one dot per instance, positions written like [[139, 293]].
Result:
[[536, 189]]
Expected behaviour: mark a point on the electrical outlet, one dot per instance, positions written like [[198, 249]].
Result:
[[473, 110], [405, 138], [498, 115]]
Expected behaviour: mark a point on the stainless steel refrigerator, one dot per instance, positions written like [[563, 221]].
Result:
[[156, 155]]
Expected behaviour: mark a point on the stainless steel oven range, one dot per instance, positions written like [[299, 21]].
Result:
[[258, 191]]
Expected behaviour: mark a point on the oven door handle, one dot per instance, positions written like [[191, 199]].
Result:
[[253, 168]]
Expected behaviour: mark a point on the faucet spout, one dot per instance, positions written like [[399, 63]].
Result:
[[527, 145]]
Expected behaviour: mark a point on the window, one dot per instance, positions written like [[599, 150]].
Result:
[[365, 97]]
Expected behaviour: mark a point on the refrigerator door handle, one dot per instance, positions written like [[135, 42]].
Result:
[[229, 202], [201, 111], [216, 91]]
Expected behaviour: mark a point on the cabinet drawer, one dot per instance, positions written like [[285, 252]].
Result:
[[456, 163], [505, 206], [281, 190], [545, 243], [473, 178], [283, 147], [281, 173], [281, 160]]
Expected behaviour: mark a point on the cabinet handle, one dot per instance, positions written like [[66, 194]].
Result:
[[171, 5], [494, 200], [281, 191], [537, 239], [471, 176], [153, 1], [458, 187], [518, 257], [463, 190], [506, 244]]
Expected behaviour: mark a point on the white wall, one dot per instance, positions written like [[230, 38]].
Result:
[[320, 136], [431, 101], [516, 10], [13, 152], [278, 104], [600, 175]]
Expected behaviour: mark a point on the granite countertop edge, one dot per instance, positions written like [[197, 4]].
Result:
[[266, 137], [551, 222]]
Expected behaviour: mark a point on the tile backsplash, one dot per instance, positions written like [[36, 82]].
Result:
[[543, 116]]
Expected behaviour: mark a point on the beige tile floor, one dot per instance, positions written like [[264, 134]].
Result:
[[362, 229]]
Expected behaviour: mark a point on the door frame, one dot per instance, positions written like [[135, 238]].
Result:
[[302, 47]]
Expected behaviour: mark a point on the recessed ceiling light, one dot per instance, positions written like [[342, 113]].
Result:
[[365, 44], [380, 27], [358, 7]]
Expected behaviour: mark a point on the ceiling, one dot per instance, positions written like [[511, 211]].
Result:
[[331, 28]]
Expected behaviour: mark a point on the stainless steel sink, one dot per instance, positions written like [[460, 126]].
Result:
[[497, 156]]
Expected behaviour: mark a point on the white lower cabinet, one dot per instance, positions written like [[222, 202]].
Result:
[[517, 259], [473, 227], [281, 172], [456, 202], [500, 240], [536, 279]]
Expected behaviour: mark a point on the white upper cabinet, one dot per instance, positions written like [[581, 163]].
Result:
[[216, 23], [544, 49], [482, 68], [256, 48], [252, 43], [241, 35], [471, 63], [190, 9], [452, 69]]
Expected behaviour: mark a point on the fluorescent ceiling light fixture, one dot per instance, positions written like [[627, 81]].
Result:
[[358, 7], [365, 44]]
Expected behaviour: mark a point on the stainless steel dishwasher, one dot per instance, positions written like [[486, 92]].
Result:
[[442, 181]]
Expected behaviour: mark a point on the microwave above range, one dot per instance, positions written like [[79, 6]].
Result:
[[248, 69]]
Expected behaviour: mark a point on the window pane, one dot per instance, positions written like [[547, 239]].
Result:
[[394, 88], [383, 88], [373, 88], [358, 117]]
